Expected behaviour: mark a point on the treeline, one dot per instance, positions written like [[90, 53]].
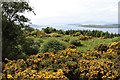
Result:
[[94, 33]]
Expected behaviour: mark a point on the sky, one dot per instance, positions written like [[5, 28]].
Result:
[[74, 12]]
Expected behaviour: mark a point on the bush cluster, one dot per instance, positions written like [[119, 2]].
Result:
[[52, 45], [102, 48], [55, 35], [67, 64], [66, 38], [32, 45], [75, 42]]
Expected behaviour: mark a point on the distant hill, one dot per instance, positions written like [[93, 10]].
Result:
[[100, 26]]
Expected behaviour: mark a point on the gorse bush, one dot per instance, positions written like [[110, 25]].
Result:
[[72, 46], [68, 64], [37, 33], [75, 42], [77, 34], [66, 38], [115, 46], [55, 35], [101, 48], [52, 45]]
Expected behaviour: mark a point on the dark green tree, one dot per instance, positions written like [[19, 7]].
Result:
[[49, 30], [13, 26], [106, 35]]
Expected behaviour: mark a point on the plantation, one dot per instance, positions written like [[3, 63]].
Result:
[[31, 54]]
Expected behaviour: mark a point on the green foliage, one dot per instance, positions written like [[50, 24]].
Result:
[[32, 45], [72, 46], [13, 25], [117, 63], [77, 34], [23, 43], [94, 33], [55, 35], [91, 43], [101, 48], [66, 38], [36, 33], [52, 45], [75, 42], [49, 30], [70, 32], [66, 64], [60, 31]]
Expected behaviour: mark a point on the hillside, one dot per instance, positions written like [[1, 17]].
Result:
[[55, 55]]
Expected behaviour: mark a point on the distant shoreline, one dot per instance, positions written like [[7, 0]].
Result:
[[98, 27], [101, 26]]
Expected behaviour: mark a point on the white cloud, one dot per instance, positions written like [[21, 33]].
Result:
[[71, 11]]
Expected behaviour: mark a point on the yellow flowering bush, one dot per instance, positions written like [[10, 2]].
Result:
[[114, 47], [65, 64], [103, 69], [55, 35]]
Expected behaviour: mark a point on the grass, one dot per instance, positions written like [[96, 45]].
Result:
[[88, 45]]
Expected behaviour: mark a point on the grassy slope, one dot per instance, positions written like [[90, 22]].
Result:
[[88, 45]]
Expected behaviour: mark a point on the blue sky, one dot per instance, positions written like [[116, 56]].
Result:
[[74, 11]]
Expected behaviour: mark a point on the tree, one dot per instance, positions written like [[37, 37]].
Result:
[[13, 23], [49, 30], [106, 34], [98, 34]]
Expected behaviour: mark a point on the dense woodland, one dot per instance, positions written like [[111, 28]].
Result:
[[49, 53]]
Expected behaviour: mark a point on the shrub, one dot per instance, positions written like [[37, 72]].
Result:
[[31, 46], [41, 34], [77, 34], [55, 35], [52, 45], [101, 48], [22, 56], [60, 31], [66, 38], [85, 37], [98, 69], [115, 45], [67, 64], [72, 46], [109, 56], [114, 48], [76, 42]]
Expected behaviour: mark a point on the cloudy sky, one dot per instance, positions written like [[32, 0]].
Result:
[[74, 11]]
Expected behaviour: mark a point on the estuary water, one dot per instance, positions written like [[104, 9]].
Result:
[[76, 27]]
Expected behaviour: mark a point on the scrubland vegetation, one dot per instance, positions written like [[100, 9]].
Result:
[[31, 54], [64, 56]]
